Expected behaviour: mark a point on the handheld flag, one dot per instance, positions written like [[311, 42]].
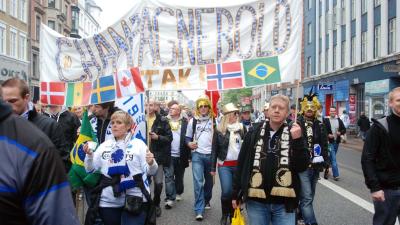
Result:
[[77, 175]]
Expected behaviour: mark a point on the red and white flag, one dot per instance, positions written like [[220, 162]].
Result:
[[224, 76], [128, 82], [52, 93]]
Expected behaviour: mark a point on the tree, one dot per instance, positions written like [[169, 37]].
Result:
[[235, 95]]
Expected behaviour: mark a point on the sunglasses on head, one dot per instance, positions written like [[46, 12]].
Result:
[[203, 106]]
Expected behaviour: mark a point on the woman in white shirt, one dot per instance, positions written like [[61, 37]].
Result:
[[118, 160], [227, 142]]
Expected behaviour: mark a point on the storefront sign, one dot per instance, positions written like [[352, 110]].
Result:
[[377, 87], [7, 73], [391, 68], [274, 92], [352, 109], [324, 87]]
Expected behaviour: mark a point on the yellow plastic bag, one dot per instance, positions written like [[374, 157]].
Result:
[[238, 219]]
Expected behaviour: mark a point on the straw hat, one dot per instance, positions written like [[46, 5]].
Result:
[[228, 108]]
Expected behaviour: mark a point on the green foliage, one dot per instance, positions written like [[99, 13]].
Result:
[[234, 95]]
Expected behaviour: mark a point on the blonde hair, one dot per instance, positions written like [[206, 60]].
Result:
[[281, 97], [391, 93], [222, 126], [124, 116]]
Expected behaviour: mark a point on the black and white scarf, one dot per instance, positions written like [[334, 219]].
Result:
[[283, 183], [314, 150]]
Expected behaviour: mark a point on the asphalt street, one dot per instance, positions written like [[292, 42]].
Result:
[[343, 202]]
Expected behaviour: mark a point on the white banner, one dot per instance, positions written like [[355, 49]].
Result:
[[159, 36], [134, 105]]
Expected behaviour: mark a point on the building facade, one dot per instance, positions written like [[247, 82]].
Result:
[[85, 17], [347, 45], [166, 96], [14, 61]]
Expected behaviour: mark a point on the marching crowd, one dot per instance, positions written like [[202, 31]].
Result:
[[270, 164]]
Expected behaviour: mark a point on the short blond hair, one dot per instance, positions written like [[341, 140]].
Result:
[[124, 116], [391, 93], [281, 97]]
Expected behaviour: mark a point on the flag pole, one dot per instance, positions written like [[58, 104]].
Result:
[[297, 100]]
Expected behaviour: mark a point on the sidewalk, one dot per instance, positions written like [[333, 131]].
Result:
[[353, 143]]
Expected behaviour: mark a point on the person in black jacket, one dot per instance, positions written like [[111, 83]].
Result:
[[227, 141], [159, 138], [179, 156], [68, 124], [101, 120], [271, 156], [317, 142], [335, 128], [364, 124], [34, 185], [381, 163], [16, 92]]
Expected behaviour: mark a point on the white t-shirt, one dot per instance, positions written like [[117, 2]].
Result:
[[135, 156], [176, 142], [346, 120], [203, 135], [334, 126]]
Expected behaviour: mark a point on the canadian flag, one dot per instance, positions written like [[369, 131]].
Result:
[[128, 82], [52, 93]]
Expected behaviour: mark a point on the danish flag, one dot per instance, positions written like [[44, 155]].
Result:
[[52, 93]]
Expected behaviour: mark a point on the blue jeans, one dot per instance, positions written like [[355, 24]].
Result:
[[174, 179], [202, 180], [117, 216], [226, 177], [308, 181], [264, 214], [387, 211], [333, 150]]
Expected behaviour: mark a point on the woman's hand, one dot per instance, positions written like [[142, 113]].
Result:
[[149, 157], [86, 149], [192, 145], [235, 204]]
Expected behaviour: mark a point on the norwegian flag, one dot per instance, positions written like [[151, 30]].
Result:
[[128, 82], [224, 76], [52, 93]]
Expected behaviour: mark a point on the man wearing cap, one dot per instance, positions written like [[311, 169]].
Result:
[[199, 137], [245, 114], [317, 143]]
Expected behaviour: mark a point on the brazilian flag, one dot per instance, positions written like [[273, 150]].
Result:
[[261, 71], [77, 175]]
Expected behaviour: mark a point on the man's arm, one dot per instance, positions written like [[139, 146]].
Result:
[[368, 158], [47, 192]]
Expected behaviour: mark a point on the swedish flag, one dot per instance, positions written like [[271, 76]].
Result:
[[261, 71], [103, 90]]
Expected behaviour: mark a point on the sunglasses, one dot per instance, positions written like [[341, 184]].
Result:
[[202, 106]]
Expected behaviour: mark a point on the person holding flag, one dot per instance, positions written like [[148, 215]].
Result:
[[124, 164], [77, 174]]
